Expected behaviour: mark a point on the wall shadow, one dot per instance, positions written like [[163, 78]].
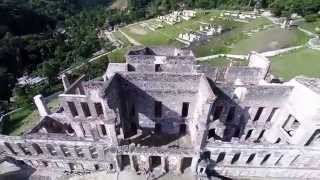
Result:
[[25, 171], [234, 123], [132, 98]]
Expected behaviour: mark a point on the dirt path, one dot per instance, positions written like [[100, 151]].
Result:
[[130, 39]]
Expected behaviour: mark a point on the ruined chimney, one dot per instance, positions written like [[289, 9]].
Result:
[[65, 81], [42, 107]]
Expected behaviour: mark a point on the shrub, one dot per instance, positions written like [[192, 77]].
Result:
[[311, 17]]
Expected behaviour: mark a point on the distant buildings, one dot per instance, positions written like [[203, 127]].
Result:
[[30, 81], [177, 16]]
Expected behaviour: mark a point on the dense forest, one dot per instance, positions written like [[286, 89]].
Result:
[[43, 37]]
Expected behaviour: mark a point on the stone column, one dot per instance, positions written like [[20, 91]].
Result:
[[252, 113], [133, 163], [164, 164], [93, 110], [42, 107], [87, 129], [17, 149], [255, 134], [194, 164], [58, 150], [72, 151], [228, 158], [242, 161], [65, 82], [88, 166], [79, 109], [31, 149], [76, 126], [265, 115], [111, 131], [118, 163], [45, 150], [86, 152], [6, 149], [286, 159], [179, 165], [274, 157], [258, 158]]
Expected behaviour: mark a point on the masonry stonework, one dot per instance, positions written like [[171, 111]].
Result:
[[161, 112]]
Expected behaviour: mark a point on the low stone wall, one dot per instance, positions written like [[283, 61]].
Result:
[[222, 55], [280, 51]]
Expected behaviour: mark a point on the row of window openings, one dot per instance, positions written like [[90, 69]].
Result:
[[212, 134], [52, 150], [157, 68], [72, 166], [250, 159], [85, 109], [102, 132], [231, 113], [158, 109]]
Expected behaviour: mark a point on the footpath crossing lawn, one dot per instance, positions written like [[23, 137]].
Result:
[[300, 62]]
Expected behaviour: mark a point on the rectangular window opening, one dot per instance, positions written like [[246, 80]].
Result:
[[98, 108], [272, 114], [185, 109], [258, 114], [73, 109], [85, 109], [157, 68], [158, 109], [103, 129]]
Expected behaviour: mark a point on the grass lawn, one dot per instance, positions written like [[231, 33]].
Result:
[[311, 26], [223, 62], [25, 119], [300, 62], [118, 55], [224, 42], [270, 39]]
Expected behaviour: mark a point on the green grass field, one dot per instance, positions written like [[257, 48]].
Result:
[[263, 37], [25, 119], [311, 26], [118, 55], [300, 62], [268, 40]]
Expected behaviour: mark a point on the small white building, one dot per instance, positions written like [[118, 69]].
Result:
[[27, 80], [188, 14], [188, 37], [210, 30]]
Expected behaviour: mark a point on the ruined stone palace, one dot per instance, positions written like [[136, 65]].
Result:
[[161, 112]]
